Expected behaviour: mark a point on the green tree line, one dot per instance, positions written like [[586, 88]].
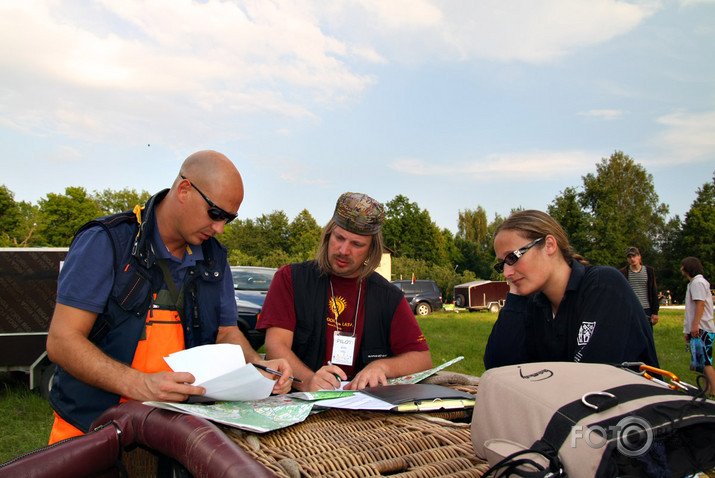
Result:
[[614, 208]]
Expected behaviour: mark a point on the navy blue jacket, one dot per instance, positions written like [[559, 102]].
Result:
[[599, 320]]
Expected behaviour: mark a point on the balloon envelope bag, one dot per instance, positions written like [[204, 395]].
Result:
[[580, 419]]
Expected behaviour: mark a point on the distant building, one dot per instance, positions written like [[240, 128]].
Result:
[[385, 267]]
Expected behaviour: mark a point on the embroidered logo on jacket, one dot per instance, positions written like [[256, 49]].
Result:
[[585, 332]]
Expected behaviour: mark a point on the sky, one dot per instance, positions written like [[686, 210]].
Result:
[[454, 104]]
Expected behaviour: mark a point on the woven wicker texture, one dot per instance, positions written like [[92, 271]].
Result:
[[344, 443]]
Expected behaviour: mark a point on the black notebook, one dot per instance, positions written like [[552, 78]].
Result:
[[421, 397]]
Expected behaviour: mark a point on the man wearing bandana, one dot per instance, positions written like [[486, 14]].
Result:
[[334, 318]]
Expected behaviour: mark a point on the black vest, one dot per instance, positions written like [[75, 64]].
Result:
[[311, 297]]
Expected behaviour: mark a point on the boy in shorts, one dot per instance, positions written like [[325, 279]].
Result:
[[698, 321]]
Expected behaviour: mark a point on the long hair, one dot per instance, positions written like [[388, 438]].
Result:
[[533, 224], [692, 266], [374, 255]]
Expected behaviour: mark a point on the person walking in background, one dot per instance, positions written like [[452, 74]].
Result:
[[642, 280], [698, 321], [334, 318], [560, 308]]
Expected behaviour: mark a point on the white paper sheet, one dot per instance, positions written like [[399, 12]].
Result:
[[359, 401], [222, 370]]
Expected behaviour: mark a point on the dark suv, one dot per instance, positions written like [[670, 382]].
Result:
[[251, 285], [423, 295]]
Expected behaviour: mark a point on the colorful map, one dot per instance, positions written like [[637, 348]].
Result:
[[277, 411], [258, 416]]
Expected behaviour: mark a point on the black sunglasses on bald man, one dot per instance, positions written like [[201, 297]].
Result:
[[214, 212]]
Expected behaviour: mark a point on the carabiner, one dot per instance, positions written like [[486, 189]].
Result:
[[674, 380]]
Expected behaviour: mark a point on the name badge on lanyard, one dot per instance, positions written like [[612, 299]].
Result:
[[343, 349], [344, 343]]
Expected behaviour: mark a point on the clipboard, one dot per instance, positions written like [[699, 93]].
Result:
[[435, 405], [419, 397]]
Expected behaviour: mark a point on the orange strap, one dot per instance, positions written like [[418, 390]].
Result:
[[163, 335]]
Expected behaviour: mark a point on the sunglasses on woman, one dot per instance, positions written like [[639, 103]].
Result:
[[511, 258], [214, 212]]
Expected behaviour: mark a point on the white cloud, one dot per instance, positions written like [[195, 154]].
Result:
[[517, 30], [536, 166], [114, 67], [688, 137], [66, 154], [291, 171], [110, 70], [404, 14], [603, 114]]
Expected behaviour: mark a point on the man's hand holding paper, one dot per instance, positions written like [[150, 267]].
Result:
[[166, 387], [222, 371]]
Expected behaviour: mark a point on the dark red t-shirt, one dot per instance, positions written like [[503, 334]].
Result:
[[279, 311]]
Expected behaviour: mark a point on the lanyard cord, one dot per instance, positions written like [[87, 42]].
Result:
[[335, 307]]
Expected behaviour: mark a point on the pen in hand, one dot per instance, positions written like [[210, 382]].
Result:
[[275, 372], [335, 374]]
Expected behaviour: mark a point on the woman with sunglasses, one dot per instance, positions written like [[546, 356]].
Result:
[[560, 308]]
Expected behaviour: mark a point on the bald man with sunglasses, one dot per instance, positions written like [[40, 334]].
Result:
[[142, 284]]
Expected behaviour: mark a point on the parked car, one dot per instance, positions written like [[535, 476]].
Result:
[[251, 285], [423, 295]]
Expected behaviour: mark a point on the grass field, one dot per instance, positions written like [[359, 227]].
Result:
[[26, 418]]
